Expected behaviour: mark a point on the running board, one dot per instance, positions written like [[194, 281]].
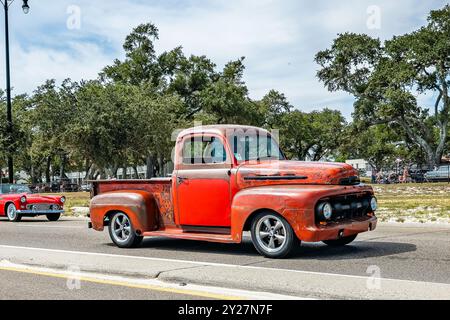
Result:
[[177, 234]]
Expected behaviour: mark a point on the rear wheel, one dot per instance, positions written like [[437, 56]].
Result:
[[122, 232], [272, 235], [53, 217], [341, 242]]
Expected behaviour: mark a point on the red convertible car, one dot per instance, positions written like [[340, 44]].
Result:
[[17, 201]]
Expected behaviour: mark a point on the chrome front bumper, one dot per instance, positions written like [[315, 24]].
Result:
[[39, 212]]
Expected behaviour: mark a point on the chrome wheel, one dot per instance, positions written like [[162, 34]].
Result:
[[271, 233], [12, 212], [121, 228]]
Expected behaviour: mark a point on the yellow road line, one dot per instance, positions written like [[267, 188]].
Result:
[[125, 284]]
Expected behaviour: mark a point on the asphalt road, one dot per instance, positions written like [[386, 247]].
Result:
[[403, 252], [19, 286]]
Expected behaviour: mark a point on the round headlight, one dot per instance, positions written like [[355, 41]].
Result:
[[23, 199], [63, 199], [374, 204], [325, 211]]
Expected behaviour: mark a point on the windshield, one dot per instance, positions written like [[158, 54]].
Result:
[[14, 189], [255, 147]]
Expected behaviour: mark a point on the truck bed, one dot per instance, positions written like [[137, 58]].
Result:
[[161, 189]]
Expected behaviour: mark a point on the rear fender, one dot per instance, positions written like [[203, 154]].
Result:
[[139, 206]]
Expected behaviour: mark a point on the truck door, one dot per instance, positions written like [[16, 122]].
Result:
[[203, 182]]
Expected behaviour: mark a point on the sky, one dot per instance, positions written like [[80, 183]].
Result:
[[76, 39]]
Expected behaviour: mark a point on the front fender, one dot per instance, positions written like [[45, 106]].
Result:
[[139, 206], [275, 198], [295, 203], [6, 202]]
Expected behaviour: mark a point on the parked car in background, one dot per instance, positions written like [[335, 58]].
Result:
[[86, 187], [17, 201], [69, 187], [64, 185], [441, 173], [417, 175]]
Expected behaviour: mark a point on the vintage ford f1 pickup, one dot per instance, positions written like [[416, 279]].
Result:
[[231, 179]]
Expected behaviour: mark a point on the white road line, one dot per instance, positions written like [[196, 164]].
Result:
[[44, 226], [212, 264]]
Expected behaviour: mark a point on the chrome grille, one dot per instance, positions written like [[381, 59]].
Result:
[[42, 207], [350, 206]]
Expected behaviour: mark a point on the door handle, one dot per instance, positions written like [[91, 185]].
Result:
[[181, 180]]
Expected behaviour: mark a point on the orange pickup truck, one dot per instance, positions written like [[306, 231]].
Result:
[[229, 179]]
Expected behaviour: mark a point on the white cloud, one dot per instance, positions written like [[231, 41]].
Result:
[[35, 65], [279, 38]]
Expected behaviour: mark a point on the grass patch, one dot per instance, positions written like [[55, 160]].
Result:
[[427, 202], [76, 199]]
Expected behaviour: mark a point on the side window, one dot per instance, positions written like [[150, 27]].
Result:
[[204, 150]]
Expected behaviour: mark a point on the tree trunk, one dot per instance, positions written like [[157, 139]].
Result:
[[149, 162], [39, 176], [47, 169], [442, 140], [103, 174], [62, 167], [115, 171], [432, 156], [161, 165], [87, 168], [164, 168]]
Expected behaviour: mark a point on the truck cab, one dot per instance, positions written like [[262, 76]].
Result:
[[229, 179]]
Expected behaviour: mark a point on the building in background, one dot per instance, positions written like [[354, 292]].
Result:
[[362, 166]]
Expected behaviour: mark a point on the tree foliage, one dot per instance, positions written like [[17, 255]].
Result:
[[386, 80], [128, 116]]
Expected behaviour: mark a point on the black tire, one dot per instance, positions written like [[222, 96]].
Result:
[[53, 217], [340, 242], [16, 218], [132, 240], [287, 245]]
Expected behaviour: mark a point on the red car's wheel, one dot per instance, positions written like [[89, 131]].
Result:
[[11, 212], [53, 216]]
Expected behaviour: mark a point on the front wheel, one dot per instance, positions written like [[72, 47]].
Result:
[[341, 242], [272, 235], [122, 233], [53, 217], [13, 215]]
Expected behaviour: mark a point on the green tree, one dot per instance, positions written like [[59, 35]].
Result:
[[227, 98], [273, 107], [385, 80], [314, 136], [377, 145]]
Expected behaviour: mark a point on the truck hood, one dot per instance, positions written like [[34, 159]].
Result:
[[295, 172]]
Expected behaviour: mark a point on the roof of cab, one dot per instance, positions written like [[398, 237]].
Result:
[[220, 129]]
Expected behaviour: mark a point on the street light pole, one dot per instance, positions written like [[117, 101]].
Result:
[[9, 120], [9, 123]]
